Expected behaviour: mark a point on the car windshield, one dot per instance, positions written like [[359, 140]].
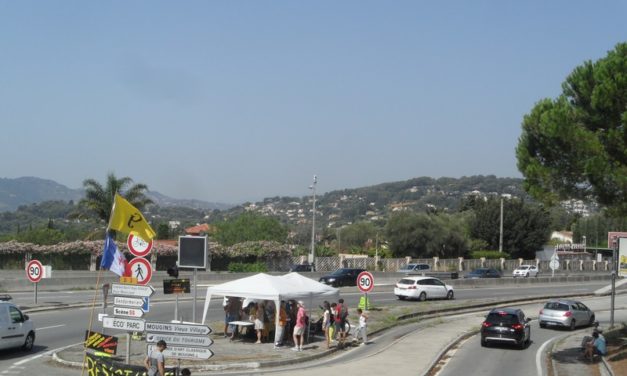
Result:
[[408, 267], [556, 306], [406, 281], [340, 272], [501, 318], [479, 271], [524, 267]]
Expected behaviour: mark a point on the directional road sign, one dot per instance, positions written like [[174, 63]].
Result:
[[128, 312], [141, 269], [131, 290], [128, 302], [134, 325], [180, 328], [34, 271], [179, 340], [181, 352]]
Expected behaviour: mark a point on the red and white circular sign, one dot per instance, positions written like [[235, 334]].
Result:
[[138, 246], [140, 269], [365, 281], [34, 271]]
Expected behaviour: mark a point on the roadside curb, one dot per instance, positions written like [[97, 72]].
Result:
[[447, 348]]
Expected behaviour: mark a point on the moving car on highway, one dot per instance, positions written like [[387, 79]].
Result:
[[342, 277], [483, 273], [423, 288], [16, 328], [415, 268], [565, 313], [526, 271], [506, 325]]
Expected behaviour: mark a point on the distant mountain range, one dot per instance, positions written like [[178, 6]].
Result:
[[30, 190]]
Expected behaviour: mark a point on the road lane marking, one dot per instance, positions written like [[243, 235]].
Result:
[[50, 327], [539, 368]]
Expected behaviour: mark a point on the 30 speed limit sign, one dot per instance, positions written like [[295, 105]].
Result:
[[365, 281], [34, 271]]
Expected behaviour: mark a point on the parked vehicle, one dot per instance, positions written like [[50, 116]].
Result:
[[506, 325], [415, 268], [526, 271], [565, 313], [423, 288], [16, 328], [342, 277], [302, 268], [483, 273]]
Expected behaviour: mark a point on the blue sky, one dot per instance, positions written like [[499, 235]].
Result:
[[239, 100]]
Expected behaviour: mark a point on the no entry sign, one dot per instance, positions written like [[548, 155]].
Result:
[[34, 271], [140, 269], [138, 246]]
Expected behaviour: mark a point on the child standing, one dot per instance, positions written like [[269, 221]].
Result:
[[363, 326]]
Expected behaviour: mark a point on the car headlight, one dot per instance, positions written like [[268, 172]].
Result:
[[331, 279]]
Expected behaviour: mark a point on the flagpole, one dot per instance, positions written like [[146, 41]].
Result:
[[91, 317]]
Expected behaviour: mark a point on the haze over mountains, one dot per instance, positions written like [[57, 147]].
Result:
[[30, 190]]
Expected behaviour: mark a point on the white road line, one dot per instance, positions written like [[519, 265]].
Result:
[[50, 327], [539, 365]]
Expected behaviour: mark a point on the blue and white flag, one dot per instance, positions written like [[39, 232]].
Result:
[[112, 258]]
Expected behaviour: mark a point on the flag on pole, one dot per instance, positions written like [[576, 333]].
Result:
[[112, 258], [127, 219]]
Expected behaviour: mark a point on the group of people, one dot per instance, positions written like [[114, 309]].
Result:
[[334, 319], [293, 321]]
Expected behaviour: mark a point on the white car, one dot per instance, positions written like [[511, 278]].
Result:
[[526, 271], [422, 288], [16, 328]]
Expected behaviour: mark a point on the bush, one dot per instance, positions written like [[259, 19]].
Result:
[[489, 255], [240, 267]]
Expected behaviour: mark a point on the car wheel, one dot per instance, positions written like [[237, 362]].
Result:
[[573, 324], [591, 323], [450, 295], [30, 341], [542, 325], [422, 297], [400, 297], [484, 343], [527, 275]]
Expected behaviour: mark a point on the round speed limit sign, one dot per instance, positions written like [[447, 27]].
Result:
[[34, 271], [365, 281]]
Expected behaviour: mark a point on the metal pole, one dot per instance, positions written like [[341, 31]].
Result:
[[36, 292], [313, 222], [613, 288], [501, 229], [195, 291], [176, 308], [128, 348]]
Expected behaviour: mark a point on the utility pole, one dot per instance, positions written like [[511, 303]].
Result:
[[313, 221], [501, 228]]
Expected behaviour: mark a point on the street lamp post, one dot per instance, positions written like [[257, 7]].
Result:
[[313, 221]]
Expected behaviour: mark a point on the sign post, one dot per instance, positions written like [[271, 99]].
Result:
[[365, 283], [34, 273], [555, 263]]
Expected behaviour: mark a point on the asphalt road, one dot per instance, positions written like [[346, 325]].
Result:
[[60, 328], [472, 359]]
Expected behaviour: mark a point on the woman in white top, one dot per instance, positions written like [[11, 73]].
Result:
[[326, 322]]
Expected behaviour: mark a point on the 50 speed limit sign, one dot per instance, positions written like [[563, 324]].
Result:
[[365, 281], [34, 271]]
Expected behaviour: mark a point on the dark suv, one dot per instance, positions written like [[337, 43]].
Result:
[[302, 268], [342, 277], [506, 325]]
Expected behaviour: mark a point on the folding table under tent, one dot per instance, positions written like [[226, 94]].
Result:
[[276, 288]]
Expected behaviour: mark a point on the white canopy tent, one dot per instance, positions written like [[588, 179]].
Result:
[[276, 288]]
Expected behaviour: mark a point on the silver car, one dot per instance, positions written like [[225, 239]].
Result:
[[565, 313]]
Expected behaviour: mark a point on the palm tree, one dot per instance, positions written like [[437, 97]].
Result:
[[99, 199]]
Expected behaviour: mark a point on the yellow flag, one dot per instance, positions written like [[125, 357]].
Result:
[[127, 219]]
